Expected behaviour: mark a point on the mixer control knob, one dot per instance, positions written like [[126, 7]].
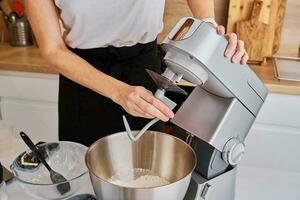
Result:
[[233, 151]]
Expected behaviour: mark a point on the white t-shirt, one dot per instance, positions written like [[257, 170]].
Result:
[[100, 23]]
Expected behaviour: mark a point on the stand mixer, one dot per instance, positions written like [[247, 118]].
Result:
[[220, 110]]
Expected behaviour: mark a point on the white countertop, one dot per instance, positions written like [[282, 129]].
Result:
[[252, 183], [267, 184]]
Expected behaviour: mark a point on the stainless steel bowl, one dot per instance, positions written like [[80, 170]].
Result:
[[163, 154]]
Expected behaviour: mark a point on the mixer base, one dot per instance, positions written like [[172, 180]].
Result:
[[220, 187]]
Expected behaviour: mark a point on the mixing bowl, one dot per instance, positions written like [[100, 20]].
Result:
[[67, 158], [158, 154]]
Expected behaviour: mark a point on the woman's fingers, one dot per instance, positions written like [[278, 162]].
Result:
[[245, 58], [150, 105], [138, 113], [140, 102], [141, 113], [149, 109], [148, 96], [235, 48], [221, 30], [240, 51], [133, 109], [232, 44]]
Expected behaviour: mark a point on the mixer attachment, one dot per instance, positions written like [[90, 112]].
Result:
[[164, 85]]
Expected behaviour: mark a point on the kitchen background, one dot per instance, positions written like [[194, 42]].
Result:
[[289, 42], [271, 166]]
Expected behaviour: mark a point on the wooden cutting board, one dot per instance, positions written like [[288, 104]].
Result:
[[272, 13], [254, 33], [4, 34], [5, 6], [279, 24]]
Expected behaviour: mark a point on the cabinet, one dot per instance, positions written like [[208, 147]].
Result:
[[273, 142], [30, 102]]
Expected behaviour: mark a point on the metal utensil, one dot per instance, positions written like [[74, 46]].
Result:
[[19, 30], [136, 137], [64, 186]]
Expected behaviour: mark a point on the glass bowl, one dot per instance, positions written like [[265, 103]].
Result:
[[66, 158]]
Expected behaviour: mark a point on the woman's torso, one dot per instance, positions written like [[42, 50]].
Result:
[[101, 23]]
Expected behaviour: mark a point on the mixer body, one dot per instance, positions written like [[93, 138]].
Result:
[[219, 188], [219, 112]]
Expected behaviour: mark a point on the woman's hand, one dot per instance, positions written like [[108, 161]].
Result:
[[235, 49], [140, 102]]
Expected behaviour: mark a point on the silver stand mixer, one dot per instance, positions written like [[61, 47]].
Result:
[[220, 110]]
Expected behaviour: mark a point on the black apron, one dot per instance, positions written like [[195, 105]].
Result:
[[84, 115]]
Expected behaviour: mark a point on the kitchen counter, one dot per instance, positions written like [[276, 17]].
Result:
[[25, 59], [28, 59], [253, 182], [266, 184]]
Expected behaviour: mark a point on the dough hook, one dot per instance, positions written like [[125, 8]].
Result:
[[164, 85]]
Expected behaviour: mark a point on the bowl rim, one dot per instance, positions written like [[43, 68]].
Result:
[[124, 132], [52, 184]]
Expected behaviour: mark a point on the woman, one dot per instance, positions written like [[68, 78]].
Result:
[[101, 59]]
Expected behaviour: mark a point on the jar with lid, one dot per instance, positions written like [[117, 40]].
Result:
[[19, 29]]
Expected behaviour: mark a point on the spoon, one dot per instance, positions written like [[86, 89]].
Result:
[[55, 176]]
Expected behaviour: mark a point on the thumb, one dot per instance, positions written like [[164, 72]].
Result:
[[221, 30]]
